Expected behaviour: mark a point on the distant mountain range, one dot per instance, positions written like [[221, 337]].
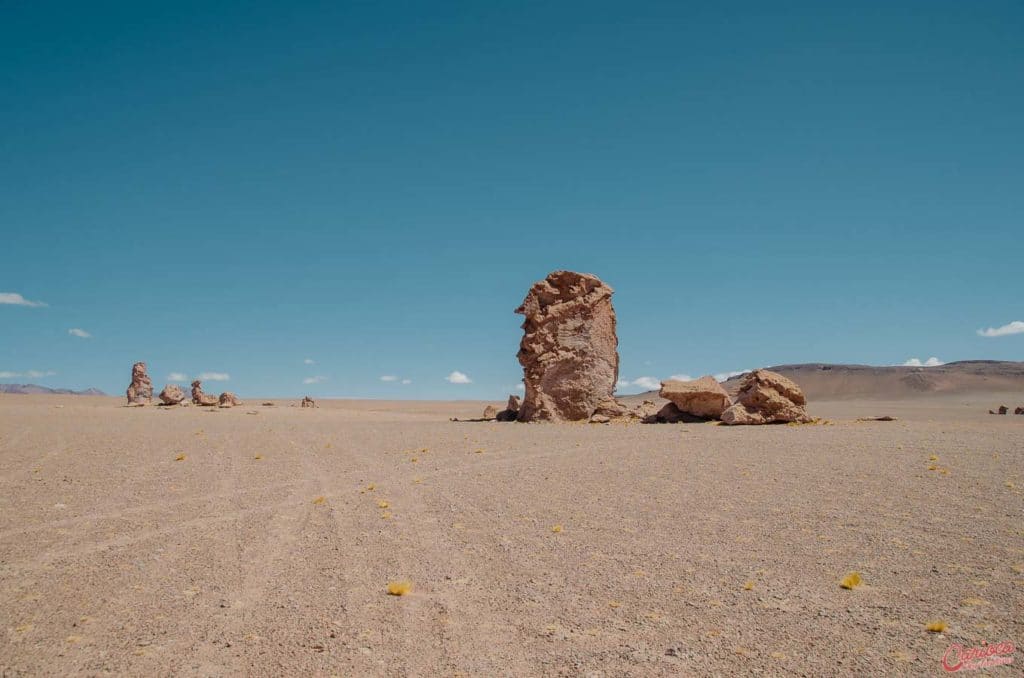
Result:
[[35, 389], [822, 381]]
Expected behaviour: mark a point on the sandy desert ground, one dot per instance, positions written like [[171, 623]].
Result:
[[683, 549]]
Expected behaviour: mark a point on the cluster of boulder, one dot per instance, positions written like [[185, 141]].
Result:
[[1003, 409], [140, 392], [569, 353]]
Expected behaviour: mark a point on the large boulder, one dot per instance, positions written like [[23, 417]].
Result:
[[703, 397], [569, 350], [200, 398], [1019, 410], [140, 391], [767, 397], [228, 399], [172, 395]]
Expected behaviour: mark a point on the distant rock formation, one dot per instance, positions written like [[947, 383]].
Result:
[[36, 389], [490, 412], [703, 397], [200, 398], [766, 398], [569, 350], [1003, 409], [228, 399], [1019, 410], [307, 402], [172, 395], [511, 411], [140, 391]]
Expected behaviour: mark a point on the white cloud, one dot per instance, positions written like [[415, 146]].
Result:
[[214, 376], [314, 380], [407, 381], [1016, 327], [79, 332], [177, 376], [31, 374], [389, 377], [648, 383], [457, 377], [520, 387], [916, 362], [681, 377], [14, 299], [309, 361], [725, 376]]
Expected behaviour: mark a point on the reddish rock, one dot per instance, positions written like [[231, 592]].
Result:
[[140, 391], [1019, 410], [228, 399], [308, 402], [511, 411], [569, 350], [767, 397], [200, 398], [703, 397], [172, 395]]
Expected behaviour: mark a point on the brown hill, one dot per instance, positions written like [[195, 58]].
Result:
[[35, 389], [821, 381]]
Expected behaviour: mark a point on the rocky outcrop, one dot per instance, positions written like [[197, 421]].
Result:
[[704, 397], [569, 350], [172, 395], [200, 398], [228, 399], [670, 414], [511, 411], [307, 402], [1019, 410], [1003, 409], [767, 397], [140, 391], [490, 412]]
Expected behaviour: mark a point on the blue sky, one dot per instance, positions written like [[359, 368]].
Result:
[[239, 188]]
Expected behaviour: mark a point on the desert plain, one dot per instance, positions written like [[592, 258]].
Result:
[[192, 542]]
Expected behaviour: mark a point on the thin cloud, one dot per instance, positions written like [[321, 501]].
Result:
[[520, 387], [14, 299], [1015, 327], [309, 361], [648, 383], [407, 381], [314, 380], [681, 377], [177, 376], [214, 376], [31, 374], [389, 377], [725, 376], [916, 362], [457, 377], [79, 332]]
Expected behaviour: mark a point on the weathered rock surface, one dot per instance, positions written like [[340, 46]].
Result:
[[228, 399], [1019, 410], [140, 391], [490, 412], [703, 397], [569, 350], [670, 414], [308, 402], [172, 395], [200, 398], [1003, 409], [767, 397]]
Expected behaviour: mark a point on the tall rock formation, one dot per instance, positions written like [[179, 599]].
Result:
[[140, 391], [569, 350]]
